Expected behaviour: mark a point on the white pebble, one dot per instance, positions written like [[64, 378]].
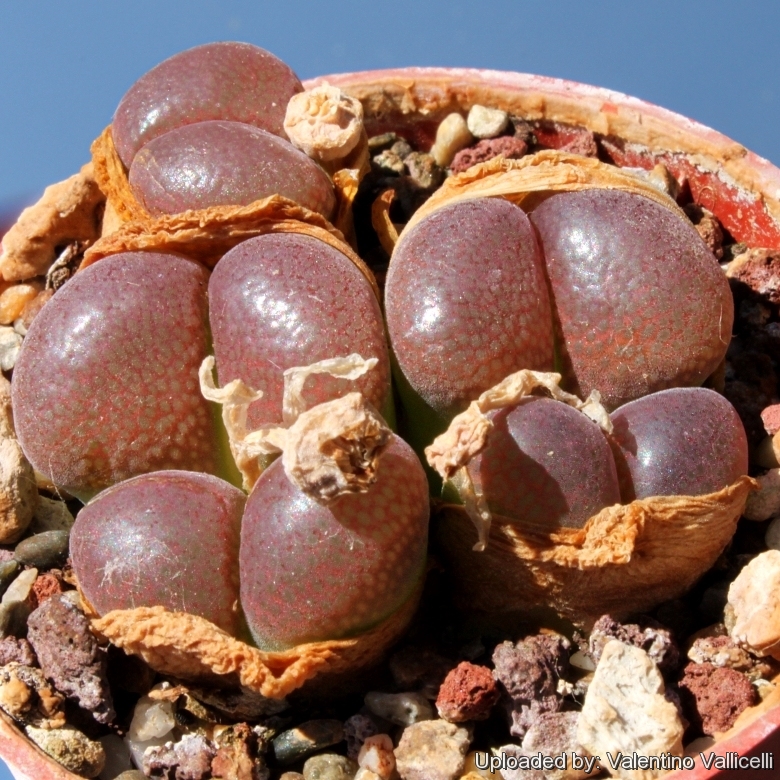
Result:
[[367, 774], [452, 135], [400, 708], [486, 122], [20, 588], [581, 661], [376, 755], [10, 344], [151, 720], [755, 597]]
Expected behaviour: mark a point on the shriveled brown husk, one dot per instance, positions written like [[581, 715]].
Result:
[[624, 560], [192, 648], [206, 234], [527, 181]]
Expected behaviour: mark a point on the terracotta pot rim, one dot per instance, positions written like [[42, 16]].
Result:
[[431, 89]]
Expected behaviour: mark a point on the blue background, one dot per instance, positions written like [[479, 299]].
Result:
[[64, 66]]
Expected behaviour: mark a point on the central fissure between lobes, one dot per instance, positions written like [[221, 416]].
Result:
[[616, 292], [138, 372]]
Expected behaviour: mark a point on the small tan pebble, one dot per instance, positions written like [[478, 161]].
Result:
[[764, 503], [767, 453], [39, 705], [18, 492], [31, 308], [70, 748], [15, 297], [10, 346], [724, 651], [15, 697], [485, 122], [377, 755], [759, 269], [51, 515], [755, 598], [292, 776], [389, 162], [452, 135], [707, 226], [432, 750], [367, 774], [19, 590], [329, 766], [68, 211], [324, 122], [626, 711], [764, 688]]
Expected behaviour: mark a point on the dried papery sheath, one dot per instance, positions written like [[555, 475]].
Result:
[[324, 122], [526, 181], [334, 448], [235, 398], [468, 435], [328, 450], [350, 367]]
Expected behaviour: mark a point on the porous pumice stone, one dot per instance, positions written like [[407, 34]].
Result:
[[170, 538], [283, 300], [640, 301], [106, 385], [311, 572], [684, 441], [467, 303], [226, 80], [220, 163], [546, 465]]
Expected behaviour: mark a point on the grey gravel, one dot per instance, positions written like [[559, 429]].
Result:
[[43, 550], [295, 744]]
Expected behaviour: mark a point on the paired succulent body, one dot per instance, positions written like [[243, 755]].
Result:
[[616, 291]]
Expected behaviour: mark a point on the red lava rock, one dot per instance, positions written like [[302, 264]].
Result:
[[357, 729], [529, 673], [18, 650], [468, 693], [69, 655], [511, 147], [584, 144], [46, 586], [759, 269], [655, 640], [771, 419], [713, 696]]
